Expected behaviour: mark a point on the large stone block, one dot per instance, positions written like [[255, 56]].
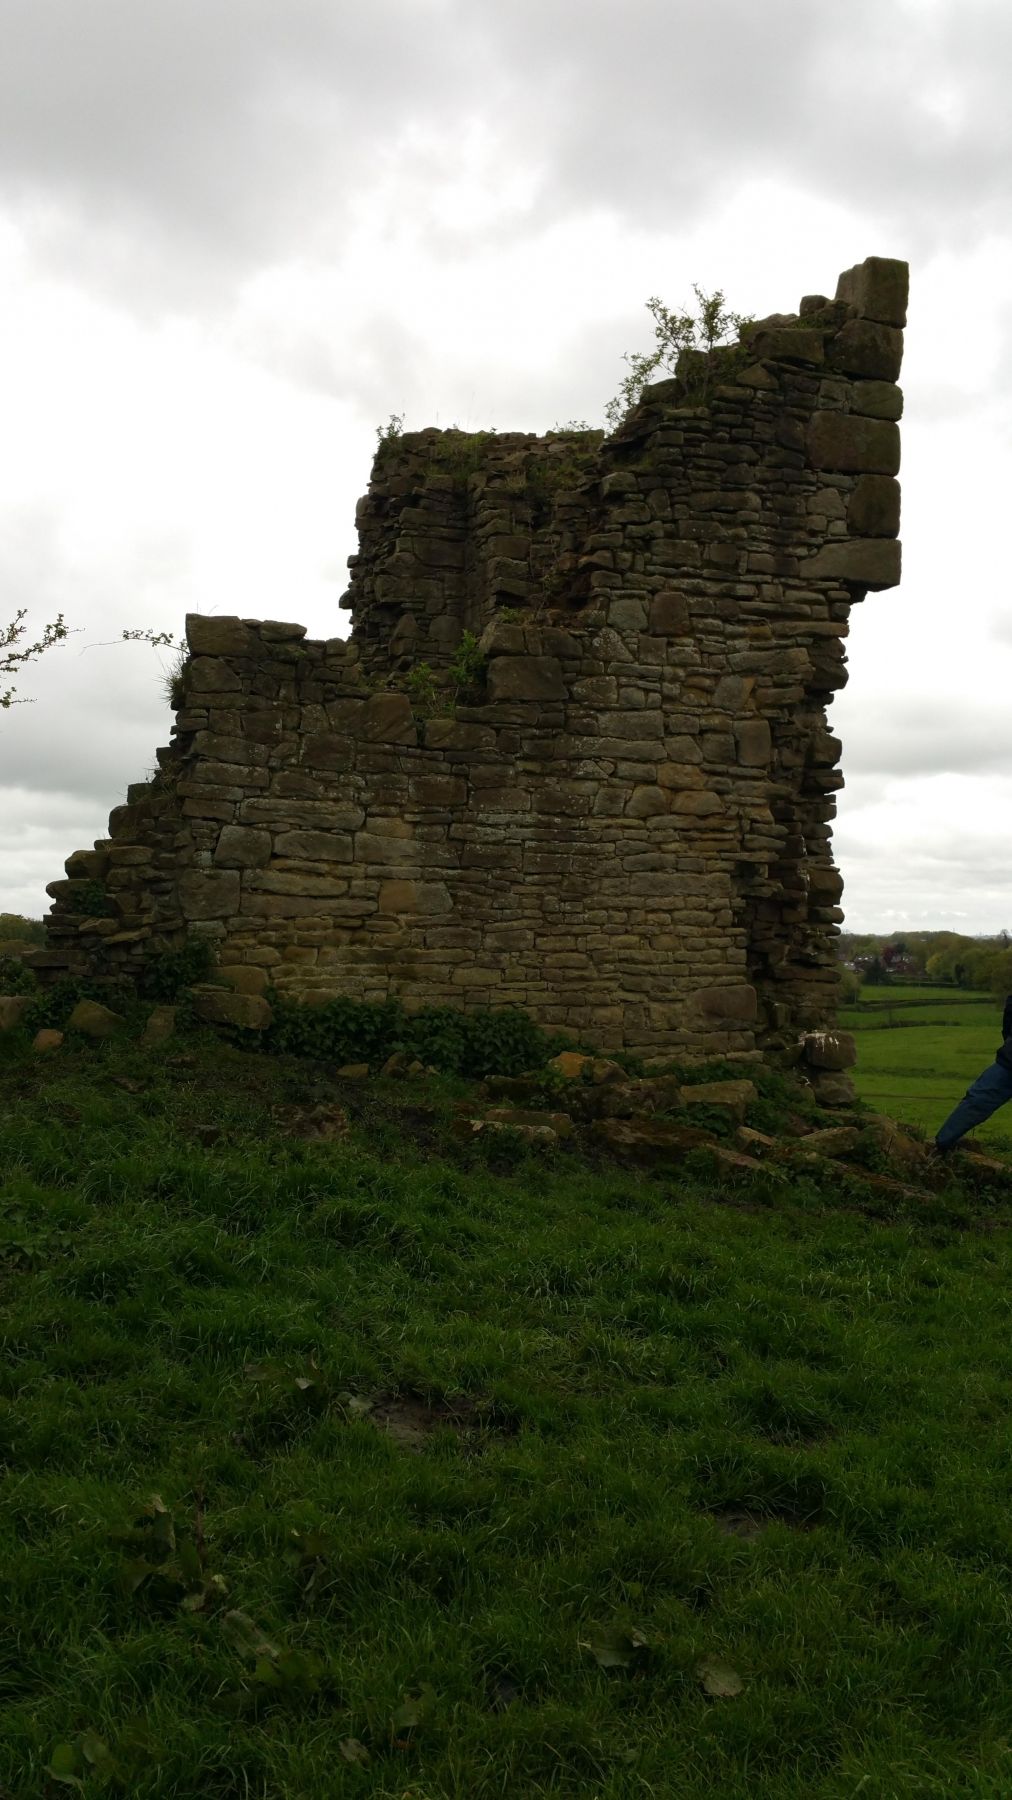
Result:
[[208, 636], [243, 847], [87, 865], [211, 675], [825, 883], [878, 288], [735, 1003], [833, 1050], [280, 631], [243, 978], [94, 1020], [296, 881], [786, 343], [731, 1097], [314, 846], [328, 750], [452, 734], [209, 894], [387, 719], [864, 348], [874, 507], [754, 743], [222, 1006], [850, 443], [872, 562], [669, 614], [525, 678], [877, 399], [426, 897]]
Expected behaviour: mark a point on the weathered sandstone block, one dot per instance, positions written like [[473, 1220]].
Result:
[[219, 1006], [831, 1050], [737, 1002], [243, 847], [525, 678], [849, 442], [94, 1020], [207, 894], [863, 348], [208, 636], [879, 288], [874, 562]]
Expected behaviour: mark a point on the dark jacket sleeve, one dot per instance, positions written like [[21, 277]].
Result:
[[1004, 1055]]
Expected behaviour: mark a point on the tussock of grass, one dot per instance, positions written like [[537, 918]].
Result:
[[611, 1370]]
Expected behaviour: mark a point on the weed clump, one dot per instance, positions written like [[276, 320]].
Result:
[[16, 977], [476, 1044]]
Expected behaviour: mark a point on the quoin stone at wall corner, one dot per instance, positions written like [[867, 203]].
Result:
[[618, 814]]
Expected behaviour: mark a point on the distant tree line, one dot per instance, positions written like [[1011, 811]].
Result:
[[946, 957]]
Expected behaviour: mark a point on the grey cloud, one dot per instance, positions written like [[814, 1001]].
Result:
[[956, 882], [229, 130], [37, 833], [662, 105], [930, 737], [233, 135], [95, 707]]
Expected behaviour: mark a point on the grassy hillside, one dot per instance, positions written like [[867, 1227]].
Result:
[[919, 1050], [407, 1462]]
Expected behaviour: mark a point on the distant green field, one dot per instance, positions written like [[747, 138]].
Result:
[[916, 1060], [886, 996]]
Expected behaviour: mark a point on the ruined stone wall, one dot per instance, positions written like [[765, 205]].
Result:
[[619, 816]]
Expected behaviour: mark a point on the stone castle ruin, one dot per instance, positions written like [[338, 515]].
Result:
[[574, 755]]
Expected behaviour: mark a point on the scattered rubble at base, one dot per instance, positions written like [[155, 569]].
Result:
[[591, 1105]]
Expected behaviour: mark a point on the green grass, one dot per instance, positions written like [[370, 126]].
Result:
[[761, 1426], [915, 1061], [901, 993]]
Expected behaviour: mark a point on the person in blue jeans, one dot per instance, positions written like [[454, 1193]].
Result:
[[988, 1092]]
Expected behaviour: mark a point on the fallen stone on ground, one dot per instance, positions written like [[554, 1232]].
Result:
[[894, 1143], [316, 1124], [220, 1006], [988, 1165], [532, 1127], [754, 1143], [835, 1140], [515, 1117], [732, 1097], [574, 1066], [641, 1098], [160, 1026], [12, 1006], [832, 1090], [353, 1072], [94, 1020], [47, 1040], [734, 1162], [649, 1141]]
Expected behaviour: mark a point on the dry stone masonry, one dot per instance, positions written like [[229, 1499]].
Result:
[[574, 756]]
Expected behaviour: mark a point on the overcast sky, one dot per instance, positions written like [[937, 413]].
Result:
[[236, 235]]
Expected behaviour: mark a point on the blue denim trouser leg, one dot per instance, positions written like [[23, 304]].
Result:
[[988, 1092]]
